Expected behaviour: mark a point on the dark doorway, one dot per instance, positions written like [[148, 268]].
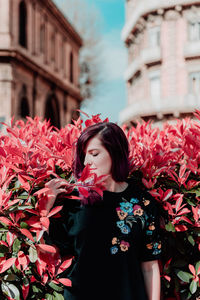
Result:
[[52, 111]]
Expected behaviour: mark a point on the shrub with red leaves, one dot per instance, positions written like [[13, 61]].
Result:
[[166, 162]]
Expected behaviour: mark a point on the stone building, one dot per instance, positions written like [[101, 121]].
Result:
[[39, 62], [163, 73]]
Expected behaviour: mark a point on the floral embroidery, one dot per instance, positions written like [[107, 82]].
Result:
[[121, 214], [124, 246], [129, 213]]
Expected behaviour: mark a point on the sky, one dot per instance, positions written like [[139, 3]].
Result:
[[110, 98]]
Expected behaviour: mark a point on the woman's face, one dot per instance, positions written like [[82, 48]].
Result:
[[97, 157]]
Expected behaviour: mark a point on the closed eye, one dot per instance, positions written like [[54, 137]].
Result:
[[95, 154]]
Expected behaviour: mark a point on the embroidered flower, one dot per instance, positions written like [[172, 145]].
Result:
[[137, 210], [125, 229], [121, 214], [124, 246], [126, 207], [156, 251], [149, 246], [120, 224], [149, 232], [134, 200], [146, 202], [151, 226], [115, 241], [114, 250]]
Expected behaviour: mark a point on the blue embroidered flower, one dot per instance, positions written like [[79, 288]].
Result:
[[127, 207], [134, 200], [120, 224], [156, 251], [114, 249], [126, 229], [149, 232]]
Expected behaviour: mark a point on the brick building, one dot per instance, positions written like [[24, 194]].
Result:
[[163, 73], [39, 68]]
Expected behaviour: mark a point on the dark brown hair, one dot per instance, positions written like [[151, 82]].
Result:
[[114, 140]]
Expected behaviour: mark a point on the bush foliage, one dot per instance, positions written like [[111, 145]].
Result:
[[167, 163]]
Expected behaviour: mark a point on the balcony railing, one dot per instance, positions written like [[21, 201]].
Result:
[[147, 107]]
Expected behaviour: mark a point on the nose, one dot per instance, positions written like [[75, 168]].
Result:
[[87, 161]]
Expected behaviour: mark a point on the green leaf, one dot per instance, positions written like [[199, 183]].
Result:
[[193, 286], [11, 277], [184, 276], [33, 254], [10, 290], [191, 240], [36, 290], [197, 266], [170, 227], [58, 296], [197, 192], [16, 245], [55, 287], [24, 225], [49, 297]]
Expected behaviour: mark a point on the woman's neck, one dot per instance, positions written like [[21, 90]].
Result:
[[113, 186]]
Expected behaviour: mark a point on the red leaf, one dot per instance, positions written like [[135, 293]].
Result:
[[65, 281], [25, 291], [54, 211], [46, 248], [192, 269], [7, 264], [27, 233], [66, 264], [6, 221], [83, 191], [24, 182], [45, 222]]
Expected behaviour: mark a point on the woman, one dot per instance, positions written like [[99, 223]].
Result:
[[114, 240]]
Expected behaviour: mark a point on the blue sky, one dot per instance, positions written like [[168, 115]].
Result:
[[111, 95]]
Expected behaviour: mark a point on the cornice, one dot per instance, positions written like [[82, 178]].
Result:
[[17, 57], [59, 16], [146, 7]]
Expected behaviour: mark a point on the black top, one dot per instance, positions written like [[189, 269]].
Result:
[[109, 240]]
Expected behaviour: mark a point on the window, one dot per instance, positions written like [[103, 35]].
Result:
[[155, 88], [42, 38], [71, 68], [53, 46], [194, 83], [194, 31], [22, 25], [154, 37]]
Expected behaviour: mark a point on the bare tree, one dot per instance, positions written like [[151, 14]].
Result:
[[86, 21]]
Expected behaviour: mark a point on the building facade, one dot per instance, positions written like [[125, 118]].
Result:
[[39, 62], [163, 73]]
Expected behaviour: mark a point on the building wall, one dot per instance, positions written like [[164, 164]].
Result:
[[43, 65], [163, 59]]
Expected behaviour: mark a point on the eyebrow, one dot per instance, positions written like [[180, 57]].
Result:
[[93, 149]]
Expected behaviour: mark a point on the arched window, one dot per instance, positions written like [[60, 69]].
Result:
[[52, 111], [22, 24], [24, 108], [71, 67]]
